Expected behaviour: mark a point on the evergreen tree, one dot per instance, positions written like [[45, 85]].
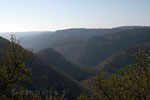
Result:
[[13, 72]]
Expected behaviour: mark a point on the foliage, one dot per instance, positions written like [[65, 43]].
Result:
[[45, 77], [82, 97], [122, 59], [132, 83], [13, 72]]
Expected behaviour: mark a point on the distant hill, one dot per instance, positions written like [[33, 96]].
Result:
[[58, 38], [33, 41], [129, 27], [99, 48], [88, 47], [122, 59], [52, 57], [70, 42]]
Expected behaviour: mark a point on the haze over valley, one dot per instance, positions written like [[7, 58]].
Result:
[[75, 50]]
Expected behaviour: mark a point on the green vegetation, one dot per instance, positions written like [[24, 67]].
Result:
[[131, 83], [49, 75], [13, 72], [45, 77], [122, 59]]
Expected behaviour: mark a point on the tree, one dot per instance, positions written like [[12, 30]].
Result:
[[13, 72], [82, 96], [132, 83]]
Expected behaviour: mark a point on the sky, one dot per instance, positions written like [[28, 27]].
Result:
[[50, 15]]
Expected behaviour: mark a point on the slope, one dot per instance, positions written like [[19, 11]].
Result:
[[69, 42], [98, 48], [52, 57], [122, 59], [47, 77]]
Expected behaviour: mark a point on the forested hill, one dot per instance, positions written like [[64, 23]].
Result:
[[98, 48], [53, 39], [52, 57], [48, 77], [88, 47], [122, 59]]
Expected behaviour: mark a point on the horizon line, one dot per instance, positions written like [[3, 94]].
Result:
[[76, 28]]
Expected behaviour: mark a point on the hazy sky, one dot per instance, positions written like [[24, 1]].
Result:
[[43, 15]]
